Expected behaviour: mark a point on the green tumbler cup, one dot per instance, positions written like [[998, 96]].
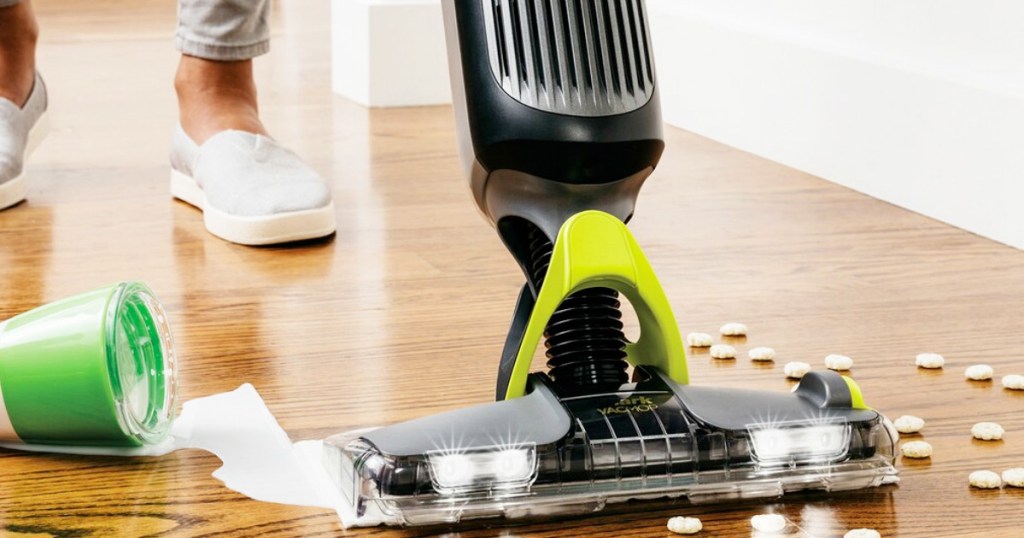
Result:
[[97, 369]]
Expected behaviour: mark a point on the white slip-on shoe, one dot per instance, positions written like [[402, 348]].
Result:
[[252, 190], [22, 128]]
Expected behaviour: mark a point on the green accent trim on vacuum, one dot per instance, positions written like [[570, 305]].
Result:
[[855, 394], [595, 249]]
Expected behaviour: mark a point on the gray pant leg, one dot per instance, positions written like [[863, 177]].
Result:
[[9, 3], [225, 30]]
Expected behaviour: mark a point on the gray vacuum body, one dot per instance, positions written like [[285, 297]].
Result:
[[556, 105]]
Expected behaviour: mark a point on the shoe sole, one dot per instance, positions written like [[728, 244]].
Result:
[[254, 231], [14, 191]]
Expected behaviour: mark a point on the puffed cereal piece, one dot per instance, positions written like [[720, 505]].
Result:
[[723, 351], [768, 523], [699, 340], [761, 354], [1014, 477], [909, 424], [979, 372], [838, 362], [685, 525], [985, 480], [987, 431], [862, 533], [930, 360], [733, 329], [916, 450], [796, 370], [1013, 382]]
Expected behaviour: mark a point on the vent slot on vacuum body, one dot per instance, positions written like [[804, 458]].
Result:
[[578, 57]]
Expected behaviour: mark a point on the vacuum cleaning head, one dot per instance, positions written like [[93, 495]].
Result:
[[543, 455], [560, 448]]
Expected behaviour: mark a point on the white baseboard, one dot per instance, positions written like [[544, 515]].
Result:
[[389, 52], [937, 141]]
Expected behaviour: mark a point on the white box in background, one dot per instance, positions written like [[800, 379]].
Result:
[[389, 52]]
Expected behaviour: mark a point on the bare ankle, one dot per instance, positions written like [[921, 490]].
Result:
[[215, 96], [19, 33], [18, 23], [198, 76]]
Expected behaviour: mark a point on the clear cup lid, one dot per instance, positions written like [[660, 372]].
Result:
[[143, 369]]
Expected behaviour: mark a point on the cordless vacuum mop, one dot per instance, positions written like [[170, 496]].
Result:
[[559, 122]]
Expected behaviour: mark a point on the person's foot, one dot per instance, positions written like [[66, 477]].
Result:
[[252, 190], [22, 99], [22, 128]]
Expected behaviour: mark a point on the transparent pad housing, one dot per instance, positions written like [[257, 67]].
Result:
[[623, 446]]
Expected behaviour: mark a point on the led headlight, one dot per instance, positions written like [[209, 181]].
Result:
[[795, 442], [497, 468]]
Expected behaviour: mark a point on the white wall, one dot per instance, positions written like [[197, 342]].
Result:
[[917, 102]]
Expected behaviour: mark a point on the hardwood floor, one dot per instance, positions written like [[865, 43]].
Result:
[[403, 314]]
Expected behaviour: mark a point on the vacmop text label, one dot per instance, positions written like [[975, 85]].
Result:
[[634, 404]]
